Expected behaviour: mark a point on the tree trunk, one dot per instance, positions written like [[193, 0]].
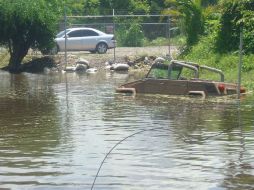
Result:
[[17, 54]]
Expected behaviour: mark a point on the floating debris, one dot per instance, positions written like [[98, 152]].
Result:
[[159, 60], [120, 67], [92, 70]]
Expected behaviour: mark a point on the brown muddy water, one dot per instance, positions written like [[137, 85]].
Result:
[[55, 131]]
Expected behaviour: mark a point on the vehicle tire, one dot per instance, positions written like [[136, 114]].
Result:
[[102, 48]]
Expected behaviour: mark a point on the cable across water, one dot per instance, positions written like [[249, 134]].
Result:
[[183, 137]]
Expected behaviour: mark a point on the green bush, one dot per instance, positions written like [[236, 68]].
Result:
[[130, 35], [204, 53], [190, 18], [236, 15], [248, 63], [194, 25]]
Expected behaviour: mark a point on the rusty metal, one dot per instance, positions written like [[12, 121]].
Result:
[[180, 85]]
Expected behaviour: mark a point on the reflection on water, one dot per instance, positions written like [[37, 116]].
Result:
[[55, 131]]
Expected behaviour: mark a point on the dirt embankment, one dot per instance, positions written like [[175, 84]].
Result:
[[122, 54]]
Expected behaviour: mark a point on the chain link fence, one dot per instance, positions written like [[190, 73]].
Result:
[[136, 35]]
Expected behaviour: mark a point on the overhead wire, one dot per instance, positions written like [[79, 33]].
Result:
[[183, 137]]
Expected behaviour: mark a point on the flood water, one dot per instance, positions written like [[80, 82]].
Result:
[[55, 131]]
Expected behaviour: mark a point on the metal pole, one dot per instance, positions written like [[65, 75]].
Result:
[[65, 37], [169, 48], [110, 16], [114, 25], [240, 64]]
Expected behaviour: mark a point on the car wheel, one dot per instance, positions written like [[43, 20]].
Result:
[[101, 48]]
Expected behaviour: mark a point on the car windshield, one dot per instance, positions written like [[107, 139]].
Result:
[[60, 34]]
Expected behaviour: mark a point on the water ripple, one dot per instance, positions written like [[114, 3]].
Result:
[[56, 130]]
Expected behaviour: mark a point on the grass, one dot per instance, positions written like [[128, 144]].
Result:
[[162, 41], [4, 59]]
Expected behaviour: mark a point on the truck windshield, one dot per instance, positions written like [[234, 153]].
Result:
[[158, 71], [164, 71], [175, 71]]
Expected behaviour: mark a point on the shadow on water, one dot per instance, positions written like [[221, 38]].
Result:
[[30, 128], [28, 105]]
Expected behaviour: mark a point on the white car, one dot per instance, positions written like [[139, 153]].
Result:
[[85, 39]]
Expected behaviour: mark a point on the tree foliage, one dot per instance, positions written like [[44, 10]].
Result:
[[25, 24], [130, 34], [206, 3], [191, 12], [105, 7], [237, 15]]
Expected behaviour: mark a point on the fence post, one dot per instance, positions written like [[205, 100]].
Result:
[[65, 37], [240, 63], [169, 45], [114, 31]]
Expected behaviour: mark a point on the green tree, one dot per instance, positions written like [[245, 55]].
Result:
[[191, 13], [130, 34], [74, 7], [236, 15], [206, 3], [27, 24], [105, 7], [156, 6]]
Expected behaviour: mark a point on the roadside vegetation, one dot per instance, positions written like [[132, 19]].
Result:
[[218, 46]]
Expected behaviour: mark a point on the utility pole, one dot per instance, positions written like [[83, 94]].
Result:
[[169, 43], [240, 63]]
